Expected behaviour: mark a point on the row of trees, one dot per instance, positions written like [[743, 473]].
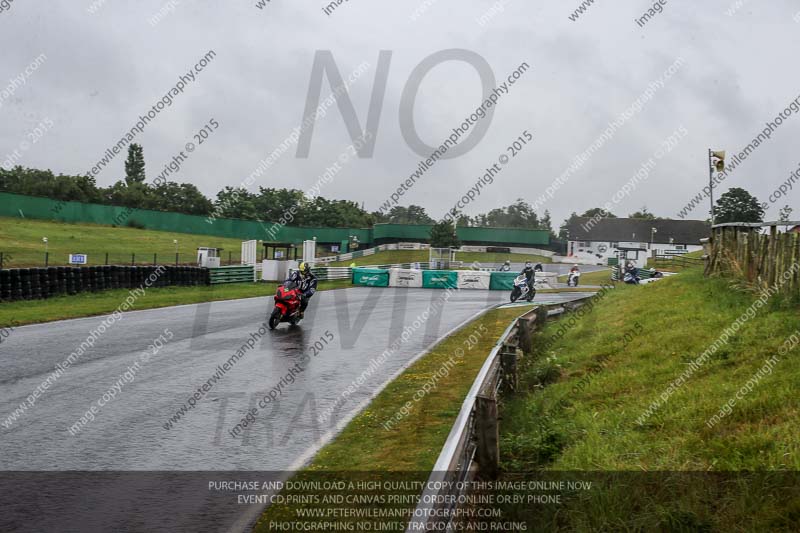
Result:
[[520, 214], [265, 204], [271, 204], [169, 196], [735, 205]]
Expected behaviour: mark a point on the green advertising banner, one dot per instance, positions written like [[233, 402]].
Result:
[[439, 279], [371, 277], [502, 281]]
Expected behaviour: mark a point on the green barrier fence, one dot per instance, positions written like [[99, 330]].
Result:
[[233, 274], [439, 279], [18, 205], [502, 281], [487, 236], [371, 277]]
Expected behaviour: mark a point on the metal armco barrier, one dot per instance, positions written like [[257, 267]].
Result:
[[37, 283], [472, 447]]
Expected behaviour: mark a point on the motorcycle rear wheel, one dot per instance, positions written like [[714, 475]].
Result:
[[275, 318]]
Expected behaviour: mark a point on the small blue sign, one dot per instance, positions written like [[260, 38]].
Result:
[[78, 259]]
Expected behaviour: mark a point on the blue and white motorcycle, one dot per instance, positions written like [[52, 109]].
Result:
[[521, 290]]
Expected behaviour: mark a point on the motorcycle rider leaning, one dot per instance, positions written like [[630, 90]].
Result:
[[506, 267], [307, 282], [529, 274]]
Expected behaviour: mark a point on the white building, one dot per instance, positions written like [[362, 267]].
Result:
[[594, 242]]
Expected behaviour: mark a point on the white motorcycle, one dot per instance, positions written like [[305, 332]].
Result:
[[521, 290], [573, 279]]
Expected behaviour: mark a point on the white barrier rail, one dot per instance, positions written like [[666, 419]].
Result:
[[472, 447]]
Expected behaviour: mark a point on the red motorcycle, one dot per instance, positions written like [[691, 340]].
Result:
[[287, 305]]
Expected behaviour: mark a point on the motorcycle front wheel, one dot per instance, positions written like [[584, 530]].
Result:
[[515, 294], [275, 318]]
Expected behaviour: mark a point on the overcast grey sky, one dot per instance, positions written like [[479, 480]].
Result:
[[104, 69]]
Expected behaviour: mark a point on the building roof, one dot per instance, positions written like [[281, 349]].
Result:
[[638, 230]]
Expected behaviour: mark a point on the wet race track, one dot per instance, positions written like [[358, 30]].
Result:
[[292, 381]]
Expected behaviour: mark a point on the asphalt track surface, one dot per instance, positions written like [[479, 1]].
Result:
[[127, 454]]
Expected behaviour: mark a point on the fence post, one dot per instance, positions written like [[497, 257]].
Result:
[[46, 259], [133, 259], [487, 436], [106, 258], [155, 259], [1, 260], [526, 328], [230, 258], [508, 365], [177, 258]]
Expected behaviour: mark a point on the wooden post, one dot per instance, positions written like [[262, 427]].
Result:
[[488, 437], [508, 365], [795, 244], [525, 333], [781, 257], [772, 271]]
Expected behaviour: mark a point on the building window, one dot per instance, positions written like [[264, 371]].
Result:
[[680, 246], [615, 245], [583, 244]]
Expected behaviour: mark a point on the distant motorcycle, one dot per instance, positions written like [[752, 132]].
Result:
[[521, 290], [573, 279], [287, 305], [631, 277]]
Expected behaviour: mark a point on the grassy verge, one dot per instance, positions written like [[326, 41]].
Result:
[[21, 238], [588, 397], [422, 256], [413, 443], [598, 277], [100, 303]]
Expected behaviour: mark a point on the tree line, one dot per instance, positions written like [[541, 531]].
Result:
[[267, 204]]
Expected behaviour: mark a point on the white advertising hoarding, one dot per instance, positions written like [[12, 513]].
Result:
[[473, 279], [403, 277]]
